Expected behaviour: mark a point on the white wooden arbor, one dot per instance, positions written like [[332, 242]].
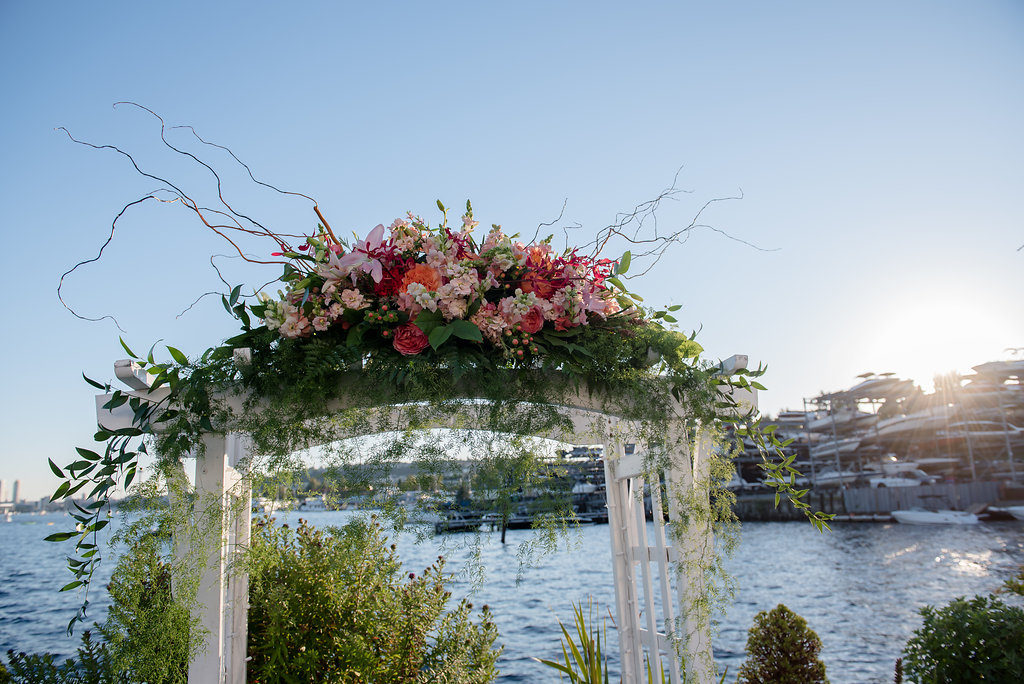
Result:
[[659, 586]]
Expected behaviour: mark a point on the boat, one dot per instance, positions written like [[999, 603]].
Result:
[[312, 504], [830, 477], [844, 417], [455, 521], [921, 516], [842, 447], [1016, 511]]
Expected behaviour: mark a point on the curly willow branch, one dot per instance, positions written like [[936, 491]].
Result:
[[234, 218]]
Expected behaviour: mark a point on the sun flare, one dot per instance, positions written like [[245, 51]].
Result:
[[921, 336]]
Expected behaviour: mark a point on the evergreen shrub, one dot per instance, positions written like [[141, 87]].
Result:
[[782, 649]]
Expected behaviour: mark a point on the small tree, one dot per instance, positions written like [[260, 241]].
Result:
[[781, 649], [969, 640]]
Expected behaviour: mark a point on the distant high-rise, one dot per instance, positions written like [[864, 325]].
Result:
[[3, 488], [14, 492]]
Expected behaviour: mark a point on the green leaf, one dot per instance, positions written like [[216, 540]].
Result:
[[623, 264], [441, 207], [178, 356], [86, 454], [61, 491], [56, 471], [71, 585], [466, 330], [355, 335], [61, 536], [427, 321], [116, 399], [439, 335], [234, 295], [99, 386], [130, 352], [670, 319]]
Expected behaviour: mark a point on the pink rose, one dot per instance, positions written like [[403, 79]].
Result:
[[533, 321], [409, 339]]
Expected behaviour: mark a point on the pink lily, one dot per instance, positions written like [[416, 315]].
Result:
[[359, 258]]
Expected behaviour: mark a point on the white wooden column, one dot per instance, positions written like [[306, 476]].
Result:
[[239, 533], [687, 480], [223, 516], [211, 532]]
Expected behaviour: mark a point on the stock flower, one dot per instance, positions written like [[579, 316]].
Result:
[[409, 340], [354, 299]]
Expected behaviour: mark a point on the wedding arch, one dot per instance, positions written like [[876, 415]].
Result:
[[414, 327], [661, 598]]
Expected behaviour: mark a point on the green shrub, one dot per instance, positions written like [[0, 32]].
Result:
[[333, 606], [781, 649], [147, 631], [969, 640], [93, 665]]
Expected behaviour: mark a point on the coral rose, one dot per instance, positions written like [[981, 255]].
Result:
[[533, 321], [409, 340], [426, 276]]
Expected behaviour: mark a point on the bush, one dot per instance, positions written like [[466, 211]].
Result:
[[93, 665], [781, 649], [980, 639], [332, 606], [147, 631]]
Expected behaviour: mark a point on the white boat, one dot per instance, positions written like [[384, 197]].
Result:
[[1016, 511], [921, 422], [841, 418], [830, 448], [313, 504], [920, 516], [830, 477]]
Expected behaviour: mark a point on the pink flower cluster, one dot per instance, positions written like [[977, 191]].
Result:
[[505, 288]]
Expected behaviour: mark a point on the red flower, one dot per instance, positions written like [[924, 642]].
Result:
[[409, 340], [532, 322], [388, 285]]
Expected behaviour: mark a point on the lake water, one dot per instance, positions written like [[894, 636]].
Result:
[[859, 587]]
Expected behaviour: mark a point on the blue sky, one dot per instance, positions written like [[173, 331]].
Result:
[[877, 145]]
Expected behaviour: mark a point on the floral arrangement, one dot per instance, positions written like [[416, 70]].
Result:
[[417, 287]]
